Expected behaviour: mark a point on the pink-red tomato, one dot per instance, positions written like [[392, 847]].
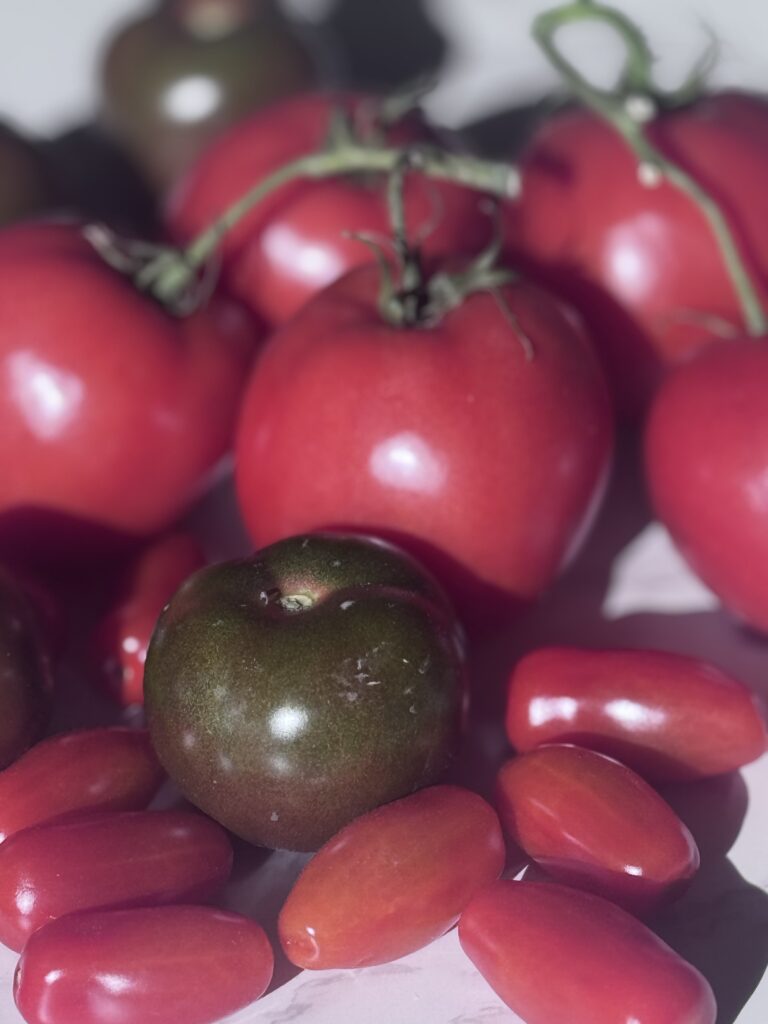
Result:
[[107, 859], [591, 822], [120, 641], [641, 262], [111, 769], [706, 453], [297, 241], [392, 880], [669, 717], [560, 956], [114, 412], [154, 965], [449, 440]]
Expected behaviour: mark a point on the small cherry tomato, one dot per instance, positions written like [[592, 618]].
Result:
[[669, 717], [297, 241], [392, 880], [25, 188], [559, 956], [153, 965], [111, 769], [706, 451], [204, 65], [592, 823], [119, 643], [108, 859]]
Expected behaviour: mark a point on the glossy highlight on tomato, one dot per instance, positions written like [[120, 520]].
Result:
[[108, 859], [109, 768], [155, 965], [392, 880], [669, 717], [591, 822], [559, 956]]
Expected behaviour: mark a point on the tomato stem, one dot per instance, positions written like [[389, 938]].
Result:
[[628, 108]]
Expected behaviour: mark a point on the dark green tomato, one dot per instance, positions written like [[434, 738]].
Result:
[[25, 679], [24, 186], [290, 692], [174, 79]]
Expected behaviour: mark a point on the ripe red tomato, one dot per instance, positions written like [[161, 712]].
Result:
[[114, 412], [593, 823], [707, 467], [191, 964], [559, 956], [297, 241], [447, 440], [668, 717], [641, 262], [120, 641], [392, 880]]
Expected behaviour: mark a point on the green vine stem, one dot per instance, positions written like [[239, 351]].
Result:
[[172, 273], [628, 108]]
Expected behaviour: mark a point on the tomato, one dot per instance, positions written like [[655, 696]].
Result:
[[593, 823], [559, 956], [707, 467], [107, 859], [114, 412], [24, 182], [669, 717], [641, 262], [120, 641], [297, 241], [392, 880], [25, 680], [96, 769], [151, 965], [203, 66], [449, 440], [290, 692]]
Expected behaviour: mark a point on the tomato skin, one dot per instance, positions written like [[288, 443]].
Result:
[[424, 858], [636, 260], [120, 641], [96, 769], [185, 963], [444, 440], [590, 822], [559, 956], [98, 368], [297, 241], [706, 457], [107, 859], [668, 717]]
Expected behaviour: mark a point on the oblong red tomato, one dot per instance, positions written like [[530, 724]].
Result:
[[107, 860], [667, 716], [154, 965], [559, 956], [593, 823], [111, 769], [120, 641], [392, 880]]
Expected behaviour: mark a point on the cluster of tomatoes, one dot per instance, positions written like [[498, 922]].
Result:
[[420, 388]]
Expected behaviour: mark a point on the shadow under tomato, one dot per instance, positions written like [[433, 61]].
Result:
[[713, 809]]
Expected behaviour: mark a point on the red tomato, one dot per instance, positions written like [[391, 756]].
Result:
[[592, 823], [97, 769], [105, 860], [641, 262], [297, 241], [120, 641], [156, 965], [707, 467], [447, 440], [559, 956], [114, 412], [669, 717], [392, 880]]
